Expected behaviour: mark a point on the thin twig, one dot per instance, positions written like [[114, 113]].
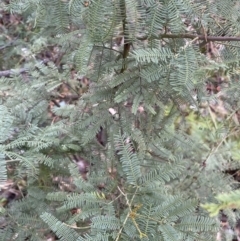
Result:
[[112, 49], [192, 36], [129, 203], [74, 227]]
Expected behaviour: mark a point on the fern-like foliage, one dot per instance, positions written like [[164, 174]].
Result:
[[150, 216], [153, 134]]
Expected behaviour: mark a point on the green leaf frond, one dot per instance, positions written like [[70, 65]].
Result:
[[153, 55], [62, 230], [80, 183], [135, 19], [3, 171], [82, 56], [77, 10], [129, 160], [161, 175], [196, 224], [156, 18], [105, 223], [21, 6], [82, 200], [102, 20], [94, 128], [6, 122]]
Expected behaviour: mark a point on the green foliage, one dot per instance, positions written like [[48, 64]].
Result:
[[226, 201], [151, 136]]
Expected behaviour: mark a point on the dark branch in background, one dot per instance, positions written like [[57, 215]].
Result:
[[7, 73], [12, 72], [126, 44], [193, 36]]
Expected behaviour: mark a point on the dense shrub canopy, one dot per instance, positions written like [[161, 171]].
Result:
[[118, 119]]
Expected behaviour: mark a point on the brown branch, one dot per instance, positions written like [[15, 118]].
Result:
[[97, 46], [7, 73], [193, 36], [126, 44]]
